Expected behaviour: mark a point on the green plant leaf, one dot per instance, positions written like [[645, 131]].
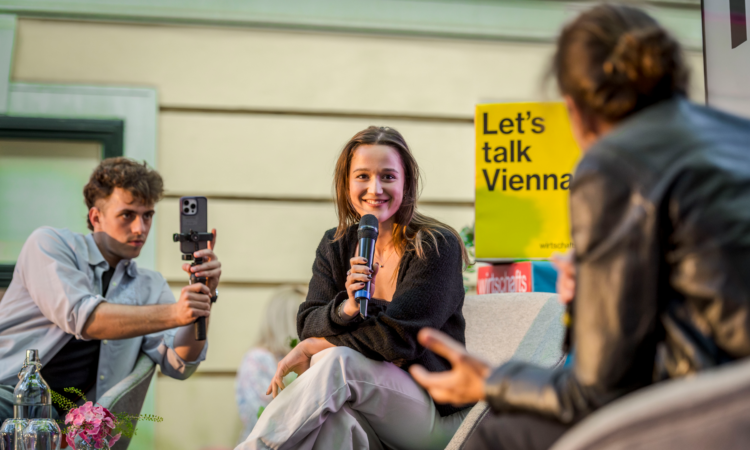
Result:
[[467, 236], [62, 402], [73, 390]]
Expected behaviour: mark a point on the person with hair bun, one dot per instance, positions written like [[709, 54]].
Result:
[[659, 282]]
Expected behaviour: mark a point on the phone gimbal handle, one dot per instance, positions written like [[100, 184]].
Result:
[[195, 237], [200, 323]]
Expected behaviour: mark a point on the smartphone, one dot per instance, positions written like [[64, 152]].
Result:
[[193, 217]]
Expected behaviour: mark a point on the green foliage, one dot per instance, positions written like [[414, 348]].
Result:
[[72, 390], [467, 235], [293, 342], [260, 411], [125, 423], [150, 418], [62, 402]]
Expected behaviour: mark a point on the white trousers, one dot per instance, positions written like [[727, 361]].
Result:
[[347, 401]]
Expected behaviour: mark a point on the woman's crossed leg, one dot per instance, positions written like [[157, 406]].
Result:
[[368, 403]]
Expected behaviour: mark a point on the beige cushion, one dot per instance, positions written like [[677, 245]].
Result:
[[498, 324], [500, 327]]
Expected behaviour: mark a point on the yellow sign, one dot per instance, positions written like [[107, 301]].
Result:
[[525, 156]]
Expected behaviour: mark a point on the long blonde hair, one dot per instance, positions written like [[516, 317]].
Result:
[[280, 324], [411, 230]]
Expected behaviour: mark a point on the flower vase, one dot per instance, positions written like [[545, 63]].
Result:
[[89, 427], [80, 444]]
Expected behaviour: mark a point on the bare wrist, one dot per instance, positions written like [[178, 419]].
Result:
[[304, 347], [350, 310], [172, 319]]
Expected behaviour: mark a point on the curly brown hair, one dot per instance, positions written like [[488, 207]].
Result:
[[144, 183]]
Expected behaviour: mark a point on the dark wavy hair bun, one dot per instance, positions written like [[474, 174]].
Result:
[[615, 60]]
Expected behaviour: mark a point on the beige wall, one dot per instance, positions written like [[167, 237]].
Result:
[[242, 68], [263, 155], [281, 70], [260, 116]]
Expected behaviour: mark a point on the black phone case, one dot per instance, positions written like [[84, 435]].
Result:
[[195, 222]]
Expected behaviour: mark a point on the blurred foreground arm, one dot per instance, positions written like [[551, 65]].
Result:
[[464, 383], [615, 317]]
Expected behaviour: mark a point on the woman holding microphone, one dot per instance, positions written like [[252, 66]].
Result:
[[353, 390]]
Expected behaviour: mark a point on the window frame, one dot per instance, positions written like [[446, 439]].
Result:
[[110, 133]]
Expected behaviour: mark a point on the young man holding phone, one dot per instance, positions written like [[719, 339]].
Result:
[[85, 305]]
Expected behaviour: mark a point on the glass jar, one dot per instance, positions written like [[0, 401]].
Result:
[[11, 434], [80, 444], [42, 434]]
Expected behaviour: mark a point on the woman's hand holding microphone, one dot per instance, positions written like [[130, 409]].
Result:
[[356, 280]]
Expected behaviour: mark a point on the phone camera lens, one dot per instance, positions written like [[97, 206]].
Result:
[[192, 206], [187, 202], [186, 210]]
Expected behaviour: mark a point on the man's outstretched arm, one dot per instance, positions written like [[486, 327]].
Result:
[[115, 321]]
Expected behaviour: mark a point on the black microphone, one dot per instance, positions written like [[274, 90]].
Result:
[[367, 235]]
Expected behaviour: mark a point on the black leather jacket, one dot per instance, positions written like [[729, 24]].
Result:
[[660, 214]]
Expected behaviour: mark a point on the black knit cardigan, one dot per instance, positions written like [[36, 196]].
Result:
[[429, 293]]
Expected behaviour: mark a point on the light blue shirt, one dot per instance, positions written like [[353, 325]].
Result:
[[57, 284]]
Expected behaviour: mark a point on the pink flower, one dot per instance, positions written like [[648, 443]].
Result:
[[74, 417], [91, 423], [114, 439], [70, 438]]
